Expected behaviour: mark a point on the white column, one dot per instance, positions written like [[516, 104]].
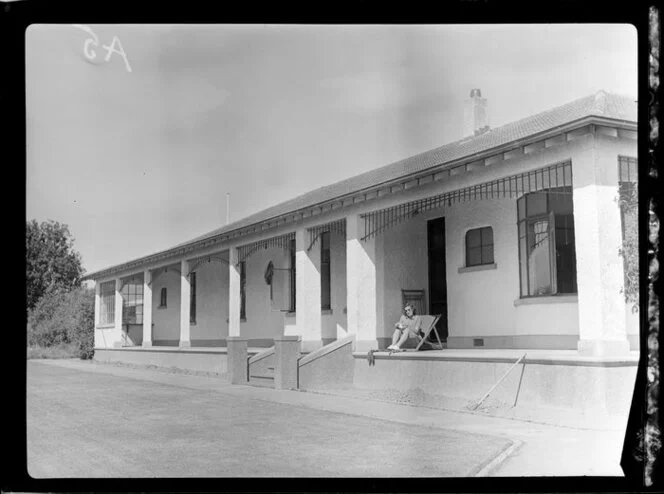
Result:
[[185, 300], [361, 285], [117, 332], [308, 298], [147, 308], [599, 266], [233, 293]]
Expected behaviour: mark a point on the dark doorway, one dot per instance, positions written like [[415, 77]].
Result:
[[437, 275]]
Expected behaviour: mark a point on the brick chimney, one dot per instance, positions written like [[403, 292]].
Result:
[[475, 117]]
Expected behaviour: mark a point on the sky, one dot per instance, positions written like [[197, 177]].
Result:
[[136, 145]]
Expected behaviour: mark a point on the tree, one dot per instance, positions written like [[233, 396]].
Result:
[[52, 264]]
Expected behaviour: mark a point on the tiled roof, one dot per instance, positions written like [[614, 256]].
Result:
[[601, 104]]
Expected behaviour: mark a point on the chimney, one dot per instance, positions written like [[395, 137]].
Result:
[[475, 117]]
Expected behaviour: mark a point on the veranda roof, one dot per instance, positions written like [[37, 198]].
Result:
[[601, 104]]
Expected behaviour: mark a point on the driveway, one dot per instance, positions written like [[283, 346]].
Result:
[[83, 421]]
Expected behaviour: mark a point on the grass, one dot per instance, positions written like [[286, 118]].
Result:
[[63, 350]]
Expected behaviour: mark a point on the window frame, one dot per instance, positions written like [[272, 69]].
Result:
[[106, 307], [524, 221], [163, 298], [243, 291], [325, 271], [481, 246], [132, 297], [192, 297], [292, 271]]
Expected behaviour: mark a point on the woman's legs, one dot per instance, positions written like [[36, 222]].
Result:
[[395, 336], [402, 339]]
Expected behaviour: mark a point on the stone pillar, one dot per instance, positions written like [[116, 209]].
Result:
[[233, 293], [308, 301], [185, 300], [147, 308], [599, 266], [286, 354], [361, 285], [117, 332], [238, 364]]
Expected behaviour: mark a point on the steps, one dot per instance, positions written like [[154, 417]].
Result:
[[262, 378]]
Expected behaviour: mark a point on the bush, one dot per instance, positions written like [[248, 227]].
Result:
[[61, 318]]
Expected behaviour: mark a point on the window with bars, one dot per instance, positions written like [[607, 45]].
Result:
[[163, 298], [547, 258], [132, 302], [243, 295], [292, 282], [325, 299], [192, 297], [479, 246], [107, 303]]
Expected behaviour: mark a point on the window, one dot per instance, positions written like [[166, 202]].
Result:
[[107, 303], [291, 306], [629, 207], [192, 297], [163, 298], [479, 246], [547, 259], [243, 296], [132, 302], [325, 302]]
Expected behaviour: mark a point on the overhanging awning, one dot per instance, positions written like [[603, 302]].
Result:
[[247, 250], [550, 177], [338, 226]]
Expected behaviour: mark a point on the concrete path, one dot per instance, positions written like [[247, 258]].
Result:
[[91, 420], [365, 437]]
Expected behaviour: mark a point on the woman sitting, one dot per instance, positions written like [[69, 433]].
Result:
[[408, 326]]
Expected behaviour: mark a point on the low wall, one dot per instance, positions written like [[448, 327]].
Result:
[[261, 366], [330, 367], [199, 361], [604, 387]]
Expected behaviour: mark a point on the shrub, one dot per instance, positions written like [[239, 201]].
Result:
[[64, 318]]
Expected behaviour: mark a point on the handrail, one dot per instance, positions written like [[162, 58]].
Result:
[[329, 348], [261, 355]]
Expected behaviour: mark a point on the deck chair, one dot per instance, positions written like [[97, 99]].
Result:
[[428, 323]]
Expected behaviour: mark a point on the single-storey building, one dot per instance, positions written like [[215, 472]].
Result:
[[513, 235]]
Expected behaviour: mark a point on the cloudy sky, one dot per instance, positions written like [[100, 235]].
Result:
[[138, 161]]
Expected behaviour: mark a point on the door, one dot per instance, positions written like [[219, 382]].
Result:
[[437, 275]]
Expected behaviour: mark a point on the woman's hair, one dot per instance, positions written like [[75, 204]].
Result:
[[411, 306]]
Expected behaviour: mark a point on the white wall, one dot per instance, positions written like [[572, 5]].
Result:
[[334, 325], [166, 320], [211, 302], [264, 319]]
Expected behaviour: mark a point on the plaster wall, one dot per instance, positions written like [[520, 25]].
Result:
[[334, 322], [211, 302], [166, 320], [265, 318]]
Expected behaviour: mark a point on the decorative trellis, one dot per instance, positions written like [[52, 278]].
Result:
[[338, 226], [247, 250], [551, 177], [194, 263]]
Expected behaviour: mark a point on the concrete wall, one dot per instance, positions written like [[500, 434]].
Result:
[[216, 362], [265, 319], [211, 326], [333, 322], [581, 387], [166, 329], [330, 367]]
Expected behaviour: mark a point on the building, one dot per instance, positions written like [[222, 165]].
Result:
[[511, 234]]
